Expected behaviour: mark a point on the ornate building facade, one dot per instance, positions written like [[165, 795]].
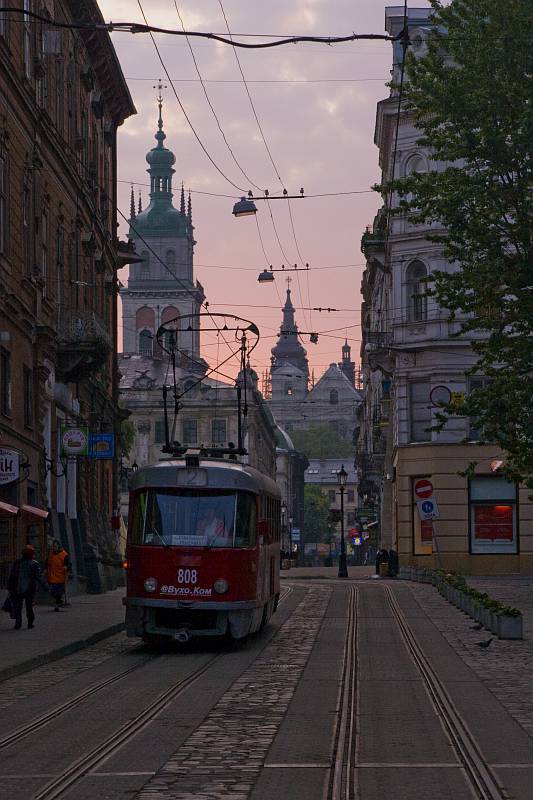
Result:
[[62, 98], [413, 360], [332, 401], [162, 290]]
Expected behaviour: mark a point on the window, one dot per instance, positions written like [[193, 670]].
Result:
[[5, 382], [170, 259], [288, 390], [3, 24], [145, 343], [417, 307], [190, 431], [493, 515], [415, 163], [351, 496], [28, 396], [3, 204], [26, 223], [420, 411], [190, 518], [331, 495], [333, 397], [218, 431], [159, 436], [44, 246], [26, 39]]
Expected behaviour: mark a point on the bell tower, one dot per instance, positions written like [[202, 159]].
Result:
[[161, 287]]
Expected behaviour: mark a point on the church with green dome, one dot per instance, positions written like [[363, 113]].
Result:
[[161, 286]]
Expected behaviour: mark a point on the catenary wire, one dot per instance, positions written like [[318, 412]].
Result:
[[210, 104], [189, 122]]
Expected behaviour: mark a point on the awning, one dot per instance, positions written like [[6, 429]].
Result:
[[371, 524], [5, 508], [32, 511]]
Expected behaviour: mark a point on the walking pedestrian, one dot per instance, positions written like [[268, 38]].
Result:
[[22, 584], [56, 567]]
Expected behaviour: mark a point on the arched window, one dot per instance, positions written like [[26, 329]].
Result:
[[334, 397], [144, 266], [417, 303], [145, 343], [170, 259], [288, 389], [415, 163], [170, 318]]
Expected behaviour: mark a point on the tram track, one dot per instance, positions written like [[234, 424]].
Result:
[[341, 780], [89, 761], [39, 722], [479, 774], [79, 768]]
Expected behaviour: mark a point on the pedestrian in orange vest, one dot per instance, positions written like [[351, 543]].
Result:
[[56, 570]]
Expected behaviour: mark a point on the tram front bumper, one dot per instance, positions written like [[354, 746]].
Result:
[[199, 618]]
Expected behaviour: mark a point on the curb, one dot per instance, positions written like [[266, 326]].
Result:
[[60, 652]]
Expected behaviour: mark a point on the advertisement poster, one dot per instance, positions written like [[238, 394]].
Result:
[[9, 465], [494, 522]]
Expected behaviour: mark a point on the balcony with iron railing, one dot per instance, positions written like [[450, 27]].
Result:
[[84, 343]]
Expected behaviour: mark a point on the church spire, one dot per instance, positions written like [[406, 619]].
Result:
[[140, 206], [182, 202], [189, 208], [161, 161], [288, 348], [132, 204]]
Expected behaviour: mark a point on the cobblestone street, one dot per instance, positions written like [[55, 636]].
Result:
[[356, 689]]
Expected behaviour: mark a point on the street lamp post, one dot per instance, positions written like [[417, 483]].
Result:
[[342, 475], [283, 527]]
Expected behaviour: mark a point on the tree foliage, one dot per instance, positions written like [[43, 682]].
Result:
[[321, 441], [317, 527], [471, 96]]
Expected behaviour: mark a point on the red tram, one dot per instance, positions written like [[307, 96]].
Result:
[[203, 549]]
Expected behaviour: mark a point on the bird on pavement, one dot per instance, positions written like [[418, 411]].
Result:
[[476, 627], [486, 643]]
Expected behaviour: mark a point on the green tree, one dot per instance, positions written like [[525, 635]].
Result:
[[127, 437], [321, 441], [317, 527], [472, 99]]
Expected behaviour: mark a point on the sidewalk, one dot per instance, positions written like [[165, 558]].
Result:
[[354, 573], [89, 618]]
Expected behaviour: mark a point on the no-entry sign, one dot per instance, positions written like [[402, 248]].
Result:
[[423, 489]]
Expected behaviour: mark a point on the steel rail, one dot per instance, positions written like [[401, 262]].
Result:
[[479, 773], [79, 768], [39, 722], [339, 784], [82, 766]]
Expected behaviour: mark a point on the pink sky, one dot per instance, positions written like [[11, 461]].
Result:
[[320, 134]]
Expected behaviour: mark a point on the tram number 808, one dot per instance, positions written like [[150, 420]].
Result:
[[187, 576]]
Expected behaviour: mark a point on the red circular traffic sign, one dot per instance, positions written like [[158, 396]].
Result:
[[423, 489]]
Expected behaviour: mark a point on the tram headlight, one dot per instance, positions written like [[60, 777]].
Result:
[[150, 584], [221, 586]]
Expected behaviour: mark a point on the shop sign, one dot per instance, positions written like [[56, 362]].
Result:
[[74, 440], [296, 535], [9, 465], [101, 445]]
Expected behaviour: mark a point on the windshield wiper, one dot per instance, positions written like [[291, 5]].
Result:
[[163, 542]]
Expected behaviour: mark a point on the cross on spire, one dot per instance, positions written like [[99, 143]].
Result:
[[289, 281], [160, 86]]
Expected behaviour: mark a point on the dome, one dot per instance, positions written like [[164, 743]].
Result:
[[159, 219], [160, 156]]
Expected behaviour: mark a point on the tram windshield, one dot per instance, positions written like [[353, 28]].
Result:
[[194, 519]]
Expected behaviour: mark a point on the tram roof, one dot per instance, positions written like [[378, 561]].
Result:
[[211, 473]]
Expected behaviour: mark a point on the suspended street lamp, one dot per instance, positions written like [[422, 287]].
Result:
[[246, 206]]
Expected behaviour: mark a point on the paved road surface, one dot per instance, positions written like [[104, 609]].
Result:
[[356, 689]]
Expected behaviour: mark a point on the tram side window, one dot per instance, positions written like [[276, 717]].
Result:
[[246, 527]]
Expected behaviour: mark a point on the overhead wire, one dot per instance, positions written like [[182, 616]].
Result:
[[182, 107], [269, 153], [210, 104]]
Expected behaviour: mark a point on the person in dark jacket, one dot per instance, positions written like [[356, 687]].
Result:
[[22, 585]]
